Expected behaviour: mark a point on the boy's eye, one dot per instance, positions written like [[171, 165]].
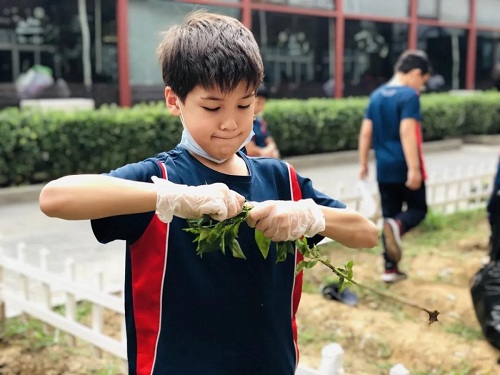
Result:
[[211, 109], [244, 106]]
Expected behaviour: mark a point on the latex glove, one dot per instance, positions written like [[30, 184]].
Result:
[[287, 220], [192, 202]]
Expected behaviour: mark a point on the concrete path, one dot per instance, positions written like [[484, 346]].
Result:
[[21, 221]]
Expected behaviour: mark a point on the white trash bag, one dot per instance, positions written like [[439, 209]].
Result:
[[368, 205]]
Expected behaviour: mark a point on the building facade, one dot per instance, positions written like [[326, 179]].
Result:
[[310, 48]]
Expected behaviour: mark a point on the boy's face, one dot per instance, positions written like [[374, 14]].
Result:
[[417, 79], [260, 102], [219, 122]]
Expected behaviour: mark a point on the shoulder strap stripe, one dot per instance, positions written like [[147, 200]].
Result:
[[148, 264], [296, 195]]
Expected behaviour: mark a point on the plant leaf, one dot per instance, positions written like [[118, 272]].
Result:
[[263, 243], [235, 248]]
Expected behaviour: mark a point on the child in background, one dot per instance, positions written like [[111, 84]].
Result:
[[392, 127], [216, 314], [262, 143]]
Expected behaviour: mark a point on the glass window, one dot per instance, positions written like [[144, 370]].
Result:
[[447, 51], [6, 72], [388, 8], [297, 53], [147, 21], [371, 50], [444, 10], [488, 58], [487, 12], [428, 8], [49, 33]]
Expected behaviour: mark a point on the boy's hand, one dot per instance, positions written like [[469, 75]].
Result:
[[192, 202], [414, 179], [363, 172], [287, 220]]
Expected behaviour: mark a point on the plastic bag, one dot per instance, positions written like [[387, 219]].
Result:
[[485, 292], [30, 84], [368, 205]]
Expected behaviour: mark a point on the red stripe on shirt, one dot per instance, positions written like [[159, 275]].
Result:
[[297, 287], [148, 265]]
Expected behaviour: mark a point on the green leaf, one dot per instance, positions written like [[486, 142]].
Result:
[[281, 250], [263, 243], [300, 267], [236, 250]]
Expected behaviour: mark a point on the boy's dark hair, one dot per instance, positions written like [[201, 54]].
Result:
[[209, 50], [263, 92], [413, 59]]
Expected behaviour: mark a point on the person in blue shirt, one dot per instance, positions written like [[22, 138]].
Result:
[[262, 143], [216, 314], [392, 128]]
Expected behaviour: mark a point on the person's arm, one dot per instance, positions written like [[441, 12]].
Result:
[[408, 135], [80, 197], [290, 220], [364, 146], [349, 228], [274, 152], [270, 150], [253, 149]]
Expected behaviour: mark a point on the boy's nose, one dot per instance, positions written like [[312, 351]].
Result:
[[229, 124]]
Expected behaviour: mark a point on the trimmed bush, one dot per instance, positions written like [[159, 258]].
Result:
[[39, 146]]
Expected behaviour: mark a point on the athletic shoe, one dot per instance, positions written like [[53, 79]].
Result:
[[393, 276], [392, 238]]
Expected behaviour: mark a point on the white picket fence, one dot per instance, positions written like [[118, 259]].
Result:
[[39, 292], [42, 290]]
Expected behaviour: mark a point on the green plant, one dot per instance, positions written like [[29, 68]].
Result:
[[211, 236]]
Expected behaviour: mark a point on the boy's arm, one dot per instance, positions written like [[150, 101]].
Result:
[[96, 196], [253, 149], [271, 146], [349, 228], [408, 135], [290, 220], [364, 146], [80, 197]]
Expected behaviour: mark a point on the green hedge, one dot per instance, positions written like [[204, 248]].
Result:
[[36, 147]]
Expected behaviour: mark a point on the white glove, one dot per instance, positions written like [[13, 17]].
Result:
[[287, 220], [192, 202]]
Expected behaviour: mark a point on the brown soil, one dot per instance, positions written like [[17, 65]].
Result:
[[375, 335]]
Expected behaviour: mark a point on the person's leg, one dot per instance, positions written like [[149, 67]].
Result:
[[416, 208], [391, 198]]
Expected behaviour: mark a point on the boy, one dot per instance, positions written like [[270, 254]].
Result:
[[216, 314], [262, 143], [392, 127]]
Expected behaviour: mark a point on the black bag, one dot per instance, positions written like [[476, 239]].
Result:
[[485, 285], [485, 292]]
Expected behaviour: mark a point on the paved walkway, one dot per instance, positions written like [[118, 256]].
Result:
[[22, 222]]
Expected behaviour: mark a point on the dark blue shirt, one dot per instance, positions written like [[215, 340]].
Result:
[[261, 131], [210, 315], [387, 107]]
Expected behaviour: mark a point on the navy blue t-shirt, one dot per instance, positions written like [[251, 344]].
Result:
[[261, 131], [210, 315], [387, 107]]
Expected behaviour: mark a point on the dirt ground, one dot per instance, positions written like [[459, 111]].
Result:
[[375, 335]]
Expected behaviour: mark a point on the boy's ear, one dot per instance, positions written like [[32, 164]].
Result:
[[172, 102]]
